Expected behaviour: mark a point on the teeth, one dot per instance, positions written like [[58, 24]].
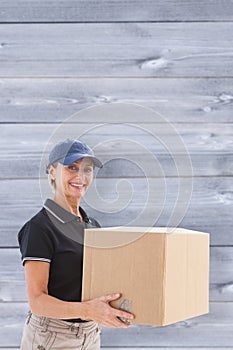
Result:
[[76, 185]]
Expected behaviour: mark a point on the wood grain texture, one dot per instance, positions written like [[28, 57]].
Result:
[[13, 289], [111, 137], [115, 202], [27, 166], [59, 57], [177, 100], [209, 146], [193, 332], [114, 11], [148, 347], [117, 49]]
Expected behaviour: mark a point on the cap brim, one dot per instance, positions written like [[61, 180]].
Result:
[[75, 157]]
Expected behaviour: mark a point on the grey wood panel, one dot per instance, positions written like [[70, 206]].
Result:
[[27, 166], [12, 279], [196, 137], [147, 347], [114, 11], [178, 100], [194, 332], [117, 49], [210, 147], [115, 203]]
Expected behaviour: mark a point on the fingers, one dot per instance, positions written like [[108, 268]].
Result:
[[120, 324], [110, 297], [110, 316], [121, 318], [125, 316], [115, 322]]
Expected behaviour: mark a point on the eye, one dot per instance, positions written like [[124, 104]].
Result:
[[72, 167], [88, 170]]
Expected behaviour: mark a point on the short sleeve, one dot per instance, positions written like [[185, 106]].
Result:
[[35, 243]]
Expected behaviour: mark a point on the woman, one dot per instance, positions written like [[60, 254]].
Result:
[[51, 244]]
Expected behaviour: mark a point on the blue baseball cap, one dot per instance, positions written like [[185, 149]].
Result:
[[69, 151]]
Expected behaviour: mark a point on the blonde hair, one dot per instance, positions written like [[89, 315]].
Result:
[[52, 182]]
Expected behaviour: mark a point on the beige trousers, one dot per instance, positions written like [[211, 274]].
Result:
[[42, 333]]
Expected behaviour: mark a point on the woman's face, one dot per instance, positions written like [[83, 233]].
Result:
[[73, 180]]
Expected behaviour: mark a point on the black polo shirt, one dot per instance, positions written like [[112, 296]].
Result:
[[56, 236]]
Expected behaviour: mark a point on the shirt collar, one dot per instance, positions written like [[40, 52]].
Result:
[[61, 214]]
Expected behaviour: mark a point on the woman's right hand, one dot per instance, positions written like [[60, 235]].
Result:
[[100, 311]]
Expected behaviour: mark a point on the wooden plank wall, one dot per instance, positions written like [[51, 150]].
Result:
[[174, 57]]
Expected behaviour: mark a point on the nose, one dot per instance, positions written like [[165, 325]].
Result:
[[80, 174]]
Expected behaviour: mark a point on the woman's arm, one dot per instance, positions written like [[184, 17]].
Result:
[[42, 304]]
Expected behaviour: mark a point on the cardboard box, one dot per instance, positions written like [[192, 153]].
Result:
[[162, 273]]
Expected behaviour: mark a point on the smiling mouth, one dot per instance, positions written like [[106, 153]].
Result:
[[78, 186]]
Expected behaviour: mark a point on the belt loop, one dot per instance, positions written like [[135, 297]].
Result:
[[79, 332], [29, 317], [77, 329], [44, 321]]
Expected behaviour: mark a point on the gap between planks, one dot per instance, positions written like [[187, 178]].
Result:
[[114, 77]]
